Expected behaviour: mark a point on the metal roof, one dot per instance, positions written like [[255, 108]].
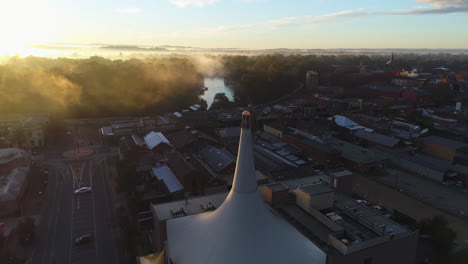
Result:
[[138, 140], [154, 139], [217, 159], [345, 122], [242, 229], [170, 180]]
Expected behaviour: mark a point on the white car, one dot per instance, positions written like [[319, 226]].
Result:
[[83, 190]]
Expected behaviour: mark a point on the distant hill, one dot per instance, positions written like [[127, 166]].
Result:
[[131, 48]]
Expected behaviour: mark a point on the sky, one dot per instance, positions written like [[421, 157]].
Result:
[[255, 24]]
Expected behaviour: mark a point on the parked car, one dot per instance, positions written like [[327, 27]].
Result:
[[83, 239], [376, 207], [361, 201], [83, 190], [368, 203]]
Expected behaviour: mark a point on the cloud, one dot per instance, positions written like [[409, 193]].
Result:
[[312, 20], [437, 7], [128, 10], [199, 3]]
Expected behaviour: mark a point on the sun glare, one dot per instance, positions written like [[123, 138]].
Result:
[[25, 23]]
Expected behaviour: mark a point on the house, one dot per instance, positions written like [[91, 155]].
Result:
[[184, 139], [187, 174], [156, 141], [165, 176], [219, 160]]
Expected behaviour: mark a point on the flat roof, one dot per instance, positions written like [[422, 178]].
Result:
[[192, 206], [8, 155], [356, 153], [342, 173], [315, 189], [367, 216], [445, 142], [276, 186]]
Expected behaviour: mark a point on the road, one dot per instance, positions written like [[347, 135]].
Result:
[[69, 216]]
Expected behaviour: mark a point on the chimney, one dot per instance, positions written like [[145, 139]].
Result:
[[244, 176]]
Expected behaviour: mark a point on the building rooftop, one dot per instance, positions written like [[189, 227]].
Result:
[[445, 142], [316, 189], [165, 174], [217, 159], [384, 140], [276, 186], [229, 132], [242, 229], [341, 173], [356, 153], [12, 183], [154, 139], [8, 155], [193, 205], [138, 140]]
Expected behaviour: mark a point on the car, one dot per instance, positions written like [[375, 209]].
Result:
[[368, 203], [361, 201], [376, 207], [83, 239], [83, 190], [459, 184]]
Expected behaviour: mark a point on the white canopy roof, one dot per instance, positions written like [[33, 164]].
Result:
[[242, 229]]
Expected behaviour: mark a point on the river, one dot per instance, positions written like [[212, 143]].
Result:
[[216, 85]]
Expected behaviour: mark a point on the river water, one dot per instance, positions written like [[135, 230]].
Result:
[[216, 85]]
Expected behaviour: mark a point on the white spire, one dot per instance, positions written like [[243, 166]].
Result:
[[244, 176], [242, 229]]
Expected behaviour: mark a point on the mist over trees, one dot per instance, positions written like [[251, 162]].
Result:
[[98, 87]]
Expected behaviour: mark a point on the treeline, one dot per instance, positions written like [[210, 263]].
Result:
[[260, 79], [98, 87]]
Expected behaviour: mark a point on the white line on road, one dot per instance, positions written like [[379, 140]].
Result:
[[71, 228], [94, 218]]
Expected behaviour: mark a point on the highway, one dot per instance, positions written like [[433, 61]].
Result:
[[70, 215]]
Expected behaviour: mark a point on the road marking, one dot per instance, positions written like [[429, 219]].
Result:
[[94, 218], [71, 229]]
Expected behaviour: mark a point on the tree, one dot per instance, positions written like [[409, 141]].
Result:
[[442, 237], [220, 101], [204, 104]]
